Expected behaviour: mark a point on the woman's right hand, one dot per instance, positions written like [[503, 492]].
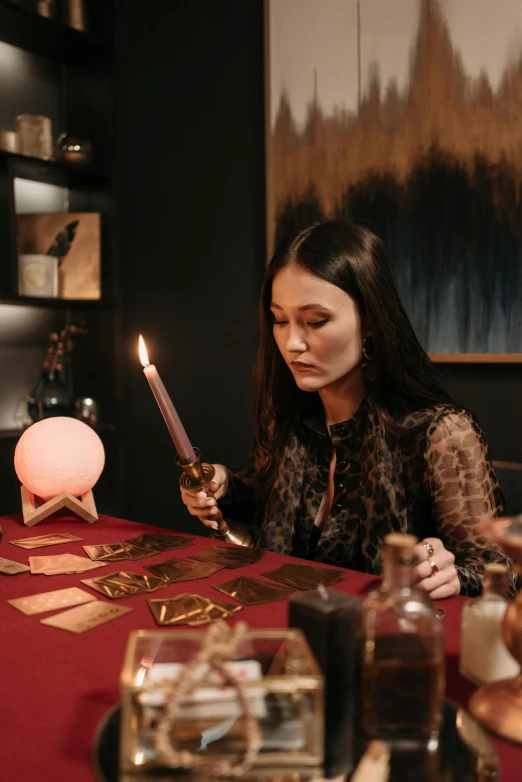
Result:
[[204, 505]]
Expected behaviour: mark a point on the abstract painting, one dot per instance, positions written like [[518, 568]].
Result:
[[406, 115]]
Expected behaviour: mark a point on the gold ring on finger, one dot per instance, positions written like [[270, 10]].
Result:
[[429, 548], [434, 568]]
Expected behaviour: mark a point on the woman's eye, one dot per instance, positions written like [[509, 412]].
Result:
[[280, 322], [316, 324]]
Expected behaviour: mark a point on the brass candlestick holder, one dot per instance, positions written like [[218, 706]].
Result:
[[498, 705], [197, 475]]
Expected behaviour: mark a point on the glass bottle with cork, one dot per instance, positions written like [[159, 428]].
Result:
[[484, 656], [403, 653]]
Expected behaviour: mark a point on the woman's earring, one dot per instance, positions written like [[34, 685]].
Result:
[[366, 346], [370, 372]]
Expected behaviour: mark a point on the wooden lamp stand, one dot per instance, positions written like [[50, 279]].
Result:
[[33, 514]]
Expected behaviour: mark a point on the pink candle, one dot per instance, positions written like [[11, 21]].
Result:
[[185, 450]]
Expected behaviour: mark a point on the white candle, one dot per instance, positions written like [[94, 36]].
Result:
[[179, 436]]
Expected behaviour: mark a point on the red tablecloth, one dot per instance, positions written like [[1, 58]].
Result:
[[56, 686]]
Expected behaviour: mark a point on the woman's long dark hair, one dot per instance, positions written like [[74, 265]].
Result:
[[353, 258]]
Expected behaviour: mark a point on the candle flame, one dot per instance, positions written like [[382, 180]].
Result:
[[142, 350]]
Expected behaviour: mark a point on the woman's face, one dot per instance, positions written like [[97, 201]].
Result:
[[317, 328]]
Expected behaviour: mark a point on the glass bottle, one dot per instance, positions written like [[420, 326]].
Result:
[[483, 654], [50, 396], [403, 654]]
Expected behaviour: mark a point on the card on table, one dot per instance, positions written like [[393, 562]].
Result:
[[62, 563], [190, 609], [45, 540], [305, 576], [125, 583], [229, 556], [253, 591], [116, 552], [86, 617], [51, 601], [159, 541], [10, 568], [174, 569]]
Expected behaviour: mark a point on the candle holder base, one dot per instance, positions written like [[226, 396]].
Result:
[[197, 475], [33, 513], [233, 532]]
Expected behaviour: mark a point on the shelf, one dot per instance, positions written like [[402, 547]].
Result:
[[68, 174], [47, 38], [14, 434], [58, 304]]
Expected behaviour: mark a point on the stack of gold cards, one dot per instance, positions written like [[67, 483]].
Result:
[[174, 569], [45, 540], [62, 563], [124, 584], [8, 567], [253, 591], [189, 609], [305, 576], [229, 556]]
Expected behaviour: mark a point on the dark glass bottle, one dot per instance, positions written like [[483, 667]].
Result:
[[50, 396], [403, 654]]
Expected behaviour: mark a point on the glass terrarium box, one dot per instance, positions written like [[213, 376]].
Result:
[[282, 690]]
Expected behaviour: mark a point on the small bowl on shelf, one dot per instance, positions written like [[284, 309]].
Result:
[[70, 149]]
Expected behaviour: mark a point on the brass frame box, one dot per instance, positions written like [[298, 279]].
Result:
[[279, 676]]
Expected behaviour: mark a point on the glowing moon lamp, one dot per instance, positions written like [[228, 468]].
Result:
[[58, 460]]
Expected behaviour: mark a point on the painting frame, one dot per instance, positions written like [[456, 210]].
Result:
[[437, 356]]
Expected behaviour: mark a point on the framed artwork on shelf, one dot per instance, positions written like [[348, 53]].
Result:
[[59, 252], [404, 116]]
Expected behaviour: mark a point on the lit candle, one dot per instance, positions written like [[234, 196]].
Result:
[[185, 450]]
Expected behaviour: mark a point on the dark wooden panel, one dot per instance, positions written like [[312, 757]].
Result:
[[190, 127]]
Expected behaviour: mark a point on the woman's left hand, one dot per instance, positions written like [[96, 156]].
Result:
[[436, 570]]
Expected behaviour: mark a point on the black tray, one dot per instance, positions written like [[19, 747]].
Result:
[[464, 754]]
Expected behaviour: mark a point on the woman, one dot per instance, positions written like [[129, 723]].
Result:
[[355, 437]]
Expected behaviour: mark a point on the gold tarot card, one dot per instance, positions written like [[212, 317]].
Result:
[[252, 591], [51, 601], [86, 617], [190, 609], [124, 583], [62, 563], [109, 551], [183, 569], [104, 589], [305, 576], [159, 541], [10, 568], [229, 556], [45, 540]]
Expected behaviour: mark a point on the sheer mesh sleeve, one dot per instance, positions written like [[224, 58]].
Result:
[[465, 493], [245, 498]]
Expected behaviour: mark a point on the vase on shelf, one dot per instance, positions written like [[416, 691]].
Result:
[[35, 135], [50, 397]]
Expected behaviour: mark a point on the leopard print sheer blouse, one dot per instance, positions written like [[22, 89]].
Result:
[[434, 481]]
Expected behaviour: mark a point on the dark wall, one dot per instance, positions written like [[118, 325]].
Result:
[[190, 139], [493, 392]]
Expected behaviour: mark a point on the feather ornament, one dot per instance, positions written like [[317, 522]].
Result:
[[62, 241]]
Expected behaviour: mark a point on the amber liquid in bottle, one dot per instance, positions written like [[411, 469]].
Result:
[[403, 656], [402, 686]]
